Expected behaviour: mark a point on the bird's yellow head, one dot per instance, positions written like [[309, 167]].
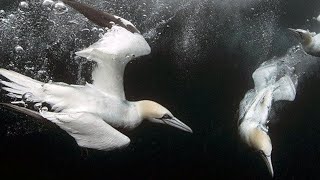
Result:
[[261, 142], [304, 36], [156, 113]]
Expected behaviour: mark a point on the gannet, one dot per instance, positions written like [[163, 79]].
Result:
[[93, 113], [310, 41], [255, 107]]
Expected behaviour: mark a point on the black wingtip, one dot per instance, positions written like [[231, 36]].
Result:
[[23, 110], [98, 17]]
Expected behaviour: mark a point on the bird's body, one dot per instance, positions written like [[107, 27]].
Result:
[[92, 113], [88, 99], [257, 114], [310, 41], [256, 105]]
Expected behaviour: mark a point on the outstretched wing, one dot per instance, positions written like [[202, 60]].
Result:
[[113, 51], [88, 130]]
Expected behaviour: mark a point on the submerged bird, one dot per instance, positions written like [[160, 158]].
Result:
[[310, 41], [255, 107], [92, 113]]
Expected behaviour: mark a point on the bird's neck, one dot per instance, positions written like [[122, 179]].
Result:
[[129, 117], [307, 41], [246, 128], [146, 108]]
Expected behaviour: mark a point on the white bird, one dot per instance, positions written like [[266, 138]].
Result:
[[255, 107], [92, 113], [310, 41]]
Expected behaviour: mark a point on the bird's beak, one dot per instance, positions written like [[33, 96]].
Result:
[[177, 124], [267, 160], [294, 31]]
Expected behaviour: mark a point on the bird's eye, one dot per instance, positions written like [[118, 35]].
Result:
[[166, 116]]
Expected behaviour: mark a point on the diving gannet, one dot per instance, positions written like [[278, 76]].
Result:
[[310, 41], [92, 113], [255, 107]]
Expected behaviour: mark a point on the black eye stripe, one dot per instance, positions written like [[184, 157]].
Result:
[[166, 116], [300, 34]]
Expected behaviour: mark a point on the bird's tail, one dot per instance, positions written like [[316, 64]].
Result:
[[18, 85]]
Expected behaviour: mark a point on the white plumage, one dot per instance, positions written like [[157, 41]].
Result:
[[112, 52], [256, 105], [310, 41], [92, 113]]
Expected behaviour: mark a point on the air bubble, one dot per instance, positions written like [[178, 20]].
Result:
[[318, 18], [23, 5], [44, 108], [47, 4], [2, 12], [85, 30], [73, 22], [37, 106], [94, 29], [18, 49], [60, 8], [5, 20], [27, 97], [101, 30], [11, 16]]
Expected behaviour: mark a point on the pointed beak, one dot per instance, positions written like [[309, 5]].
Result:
[[294, 31], [267, 160], [177, 124]]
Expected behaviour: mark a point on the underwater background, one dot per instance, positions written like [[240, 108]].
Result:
[[203, 55]]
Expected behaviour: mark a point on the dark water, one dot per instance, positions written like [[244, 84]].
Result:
[[203, 55]]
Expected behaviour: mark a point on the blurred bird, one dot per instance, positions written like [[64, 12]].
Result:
[[310, 41], [92, 113], [255, 107]]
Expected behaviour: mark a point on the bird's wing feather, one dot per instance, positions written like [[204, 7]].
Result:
[[36, 115], [88, 130], [245, 104], [112, 52], [17, 84], [101, 18], [284, 89], [264, 75]]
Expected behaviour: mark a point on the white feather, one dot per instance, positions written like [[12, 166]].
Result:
[[88, 130], [21, 84], [112, 53]]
